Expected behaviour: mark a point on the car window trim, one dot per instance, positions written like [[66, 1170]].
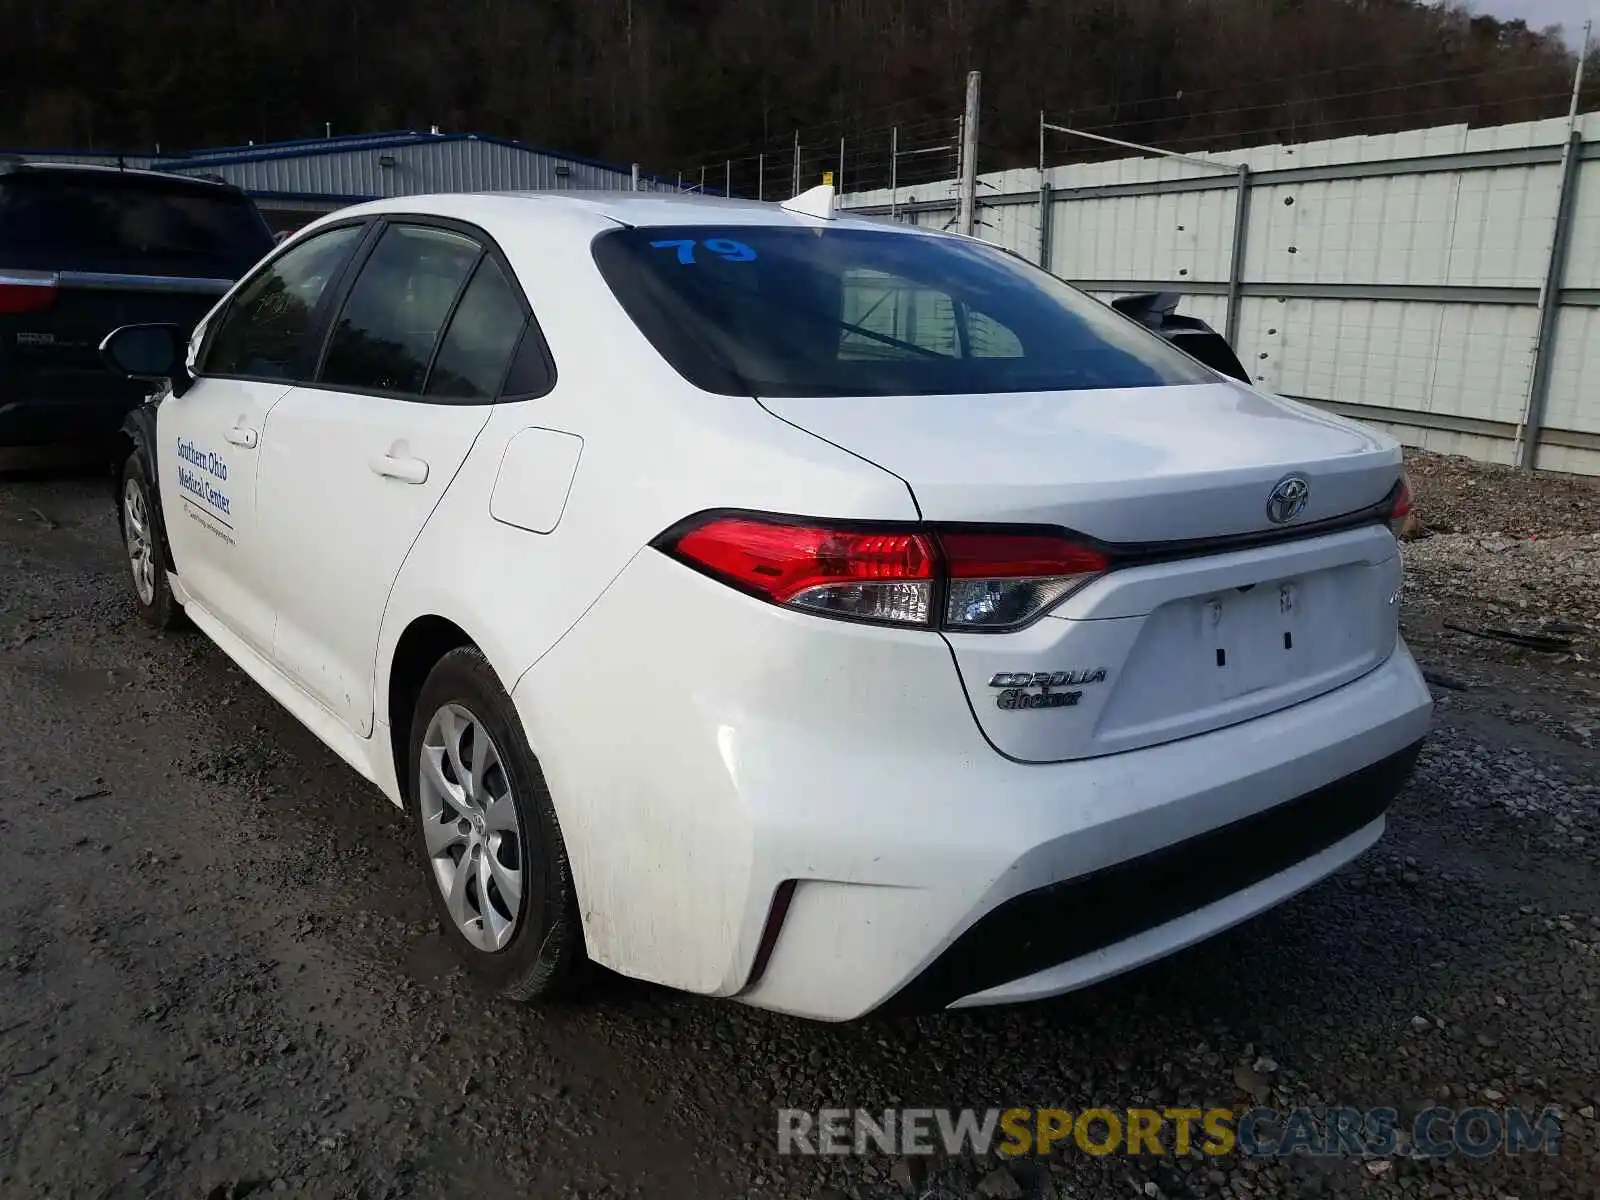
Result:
[[112, 281], [317, 314], [530, 330]]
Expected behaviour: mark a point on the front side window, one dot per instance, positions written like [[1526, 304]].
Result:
[[384, 337], [264, 327], [786, 311]]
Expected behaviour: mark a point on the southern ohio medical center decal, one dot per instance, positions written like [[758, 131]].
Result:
[[202, 481]]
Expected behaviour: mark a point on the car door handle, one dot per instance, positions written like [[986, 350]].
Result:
[[241, 436], [406, 470]]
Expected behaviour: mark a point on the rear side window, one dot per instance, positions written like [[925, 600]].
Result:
[[477, 347], [385, 335], [128, 225], [263, 331], [787, 311]]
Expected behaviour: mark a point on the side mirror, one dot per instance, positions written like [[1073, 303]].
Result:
[[148, 352]]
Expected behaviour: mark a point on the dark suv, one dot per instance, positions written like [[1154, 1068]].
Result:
[[86, 249]]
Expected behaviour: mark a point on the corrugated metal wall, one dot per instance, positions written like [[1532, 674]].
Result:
[[296, 181], [444, 165], [88, 158], [1373, 281]]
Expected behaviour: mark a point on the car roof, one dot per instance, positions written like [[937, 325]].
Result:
[[619, 208], [96, 170]]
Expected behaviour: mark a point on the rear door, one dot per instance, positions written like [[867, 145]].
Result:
[[86, 251], [355, 462], [211, 436]]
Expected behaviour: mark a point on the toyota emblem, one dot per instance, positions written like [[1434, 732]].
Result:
[[1288, 499]]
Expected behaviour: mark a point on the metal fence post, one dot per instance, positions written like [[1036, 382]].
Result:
[[1526, 446], [1241, 235], [894, 170], [1527, 443], [1044, 202], [761, 176], [796, 191], [968, 216], [1046, 213]]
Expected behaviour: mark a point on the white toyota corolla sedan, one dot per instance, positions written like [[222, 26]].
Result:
[[824, 613]]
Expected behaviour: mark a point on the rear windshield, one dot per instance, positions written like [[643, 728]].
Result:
[[68, 221], [782, 311]]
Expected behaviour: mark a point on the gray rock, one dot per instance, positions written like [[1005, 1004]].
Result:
[[908, 1173], [1252, 1083], [1000, 1184]]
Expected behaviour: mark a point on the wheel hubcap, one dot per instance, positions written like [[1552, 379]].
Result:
[[141, 545], [469, 822]]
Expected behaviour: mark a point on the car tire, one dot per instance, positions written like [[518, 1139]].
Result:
[[485, 828], [141, 540]]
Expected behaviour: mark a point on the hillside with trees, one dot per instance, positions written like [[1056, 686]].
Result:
[[674, 83]]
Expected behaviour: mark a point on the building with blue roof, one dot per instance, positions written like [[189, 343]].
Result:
[[295, 181]]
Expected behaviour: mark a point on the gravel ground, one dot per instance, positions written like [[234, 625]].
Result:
[[218, 975], [1516, 553]]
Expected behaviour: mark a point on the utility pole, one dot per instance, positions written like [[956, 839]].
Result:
[[841, 165], [968, 218]]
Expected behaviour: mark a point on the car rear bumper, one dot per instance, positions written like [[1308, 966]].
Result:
[[804, 814], [46, 407], [1066, 934]]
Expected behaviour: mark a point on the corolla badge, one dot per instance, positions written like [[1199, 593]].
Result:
[[1014, 685], [1288, 499]]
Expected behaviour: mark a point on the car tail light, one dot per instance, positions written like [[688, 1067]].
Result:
[[26, 293], [1400, 506], [1003, 580], [973, 580], [859, 574]]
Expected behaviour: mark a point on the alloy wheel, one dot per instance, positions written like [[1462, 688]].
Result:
[[141, 543], [474, 838]]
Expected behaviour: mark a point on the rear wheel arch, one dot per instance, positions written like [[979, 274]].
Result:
[[421, 645]]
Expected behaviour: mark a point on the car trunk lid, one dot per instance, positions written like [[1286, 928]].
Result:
[[1213, 612], [1133, 465]]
